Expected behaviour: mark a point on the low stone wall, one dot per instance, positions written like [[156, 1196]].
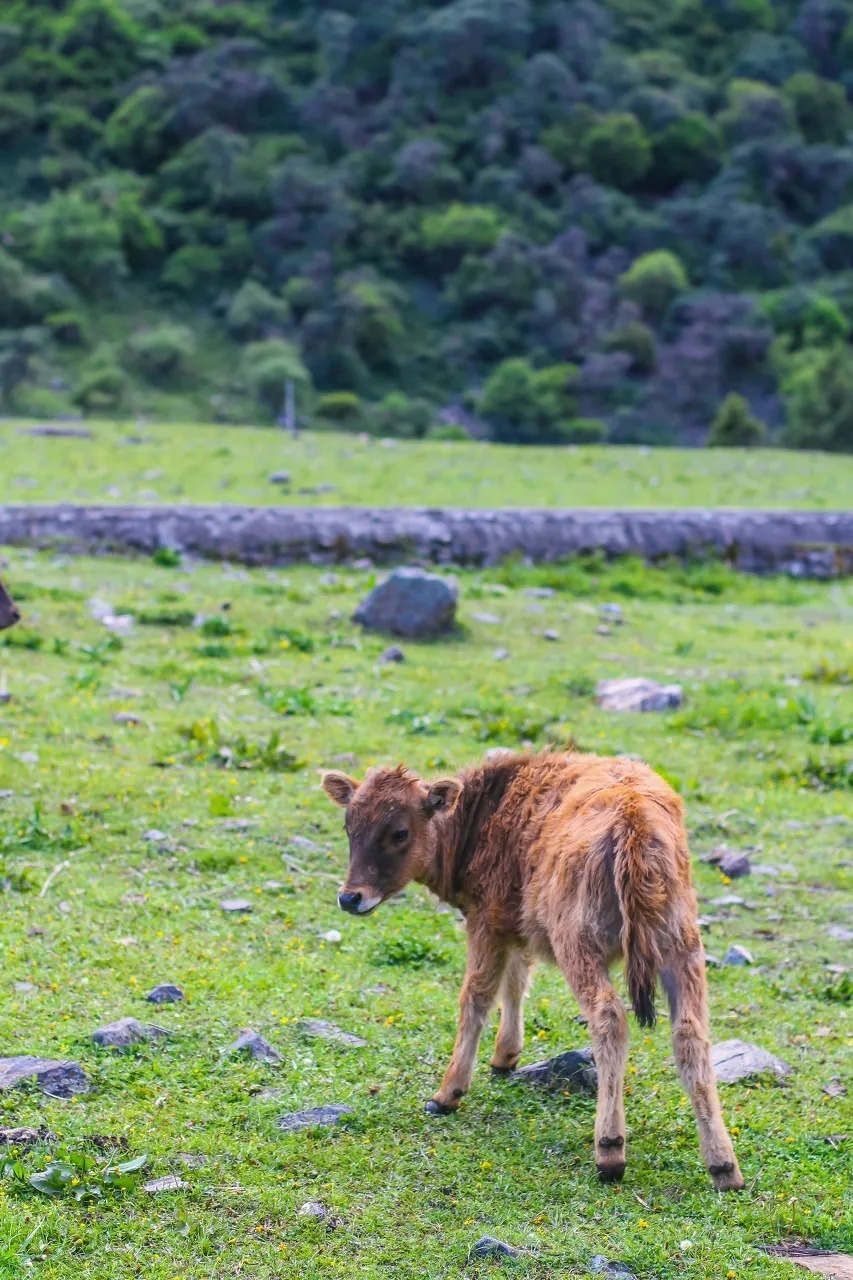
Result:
[[804, 543]]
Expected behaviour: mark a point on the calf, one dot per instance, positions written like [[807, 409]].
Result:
[[563, 857], [9, 614]]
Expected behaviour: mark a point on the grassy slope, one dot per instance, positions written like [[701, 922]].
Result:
[[225, 464], [414, 1193]]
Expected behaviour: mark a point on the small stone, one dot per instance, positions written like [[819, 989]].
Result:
[[241, 905], [302, 842], [256, 1046], [603, 630], [737, 955], [501, 655], [734, 865], [25, 1136], [165, 993], [333, 936], [728, 900], [410, 602], [126, 717], [392, 654], [292, 1121], [489, 1247], [612, 611], [24, 988], [58, 1079], [738, 1060], [600, 1266], [127, 1031], [574, 1069], [320, 1213], [495, 753], [638, 694], [835, 1088], [550, 635], [318, 1029], [192, 1159], [839, 933], [171, 1182], [279, 477], [154, 836], [488, 619], [539, 593]]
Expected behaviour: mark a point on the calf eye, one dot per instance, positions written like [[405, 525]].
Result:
[[400, 836]]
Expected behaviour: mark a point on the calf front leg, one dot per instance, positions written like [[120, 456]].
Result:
[[485, 967], [510, 1037]]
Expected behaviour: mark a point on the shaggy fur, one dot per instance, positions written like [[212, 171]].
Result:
[[570, 858]]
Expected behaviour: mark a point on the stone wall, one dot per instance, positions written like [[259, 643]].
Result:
[[805, 543]]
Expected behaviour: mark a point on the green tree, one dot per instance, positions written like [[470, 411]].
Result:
[[819, 106], [81, 238], [819, 401], [618, 151], [735, 426], [524, 405], [654, 280], [268, 366]]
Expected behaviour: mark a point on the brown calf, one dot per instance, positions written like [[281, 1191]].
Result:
[[563, 857], [9, 614]]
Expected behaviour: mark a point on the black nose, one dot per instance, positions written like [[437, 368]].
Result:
[[349, 901]]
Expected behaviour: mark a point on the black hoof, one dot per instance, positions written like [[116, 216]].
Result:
[[610, 1172], [434, 1108], [502, 1071]]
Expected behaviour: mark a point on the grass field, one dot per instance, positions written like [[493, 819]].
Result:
[[123, 463], [236, 714]]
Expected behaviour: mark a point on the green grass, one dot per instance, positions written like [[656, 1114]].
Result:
[[290, 685], [233, 464]]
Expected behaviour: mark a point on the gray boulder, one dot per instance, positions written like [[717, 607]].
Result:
[[574, 1069], [323, 1116], [165, 993], [737, 1060], [638, 694], [410, 602], [56, 1079], [256, 1046], [127, 1031]]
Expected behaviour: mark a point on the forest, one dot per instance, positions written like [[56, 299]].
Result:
[[539, 221]]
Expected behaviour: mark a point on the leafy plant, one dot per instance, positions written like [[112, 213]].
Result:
[[75, 1175]]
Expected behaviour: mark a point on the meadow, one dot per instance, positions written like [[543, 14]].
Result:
[[157, 463], [146, 777]]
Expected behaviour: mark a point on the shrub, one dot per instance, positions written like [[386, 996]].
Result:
[[81, 238], [636, 340], [735, 426], [74, 128], [341, 406], [449, 432], [161, 353], [833, 237], [618, 152], [256, 313], [819, 106], [584, 431], [401, 415], [68, 328], [654, 281], [102, 385], [819, 401], [528, 406], [135, 133], [17, 117], [269, 365], [24, 298]]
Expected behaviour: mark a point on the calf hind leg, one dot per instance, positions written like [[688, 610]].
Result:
[[684, 980], [588, 977], [485, 967], [510, 1037]]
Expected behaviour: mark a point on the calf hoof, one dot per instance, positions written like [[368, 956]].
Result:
[[614, 1172], [436, 1108], [610, 1159], [503, 1066], [726, 1177]]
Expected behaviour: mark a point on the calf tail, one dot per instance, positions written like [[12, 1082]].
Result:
[[641, 886]]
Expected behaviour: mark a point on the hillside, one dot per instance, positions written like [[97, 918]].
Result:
[[544, 220]]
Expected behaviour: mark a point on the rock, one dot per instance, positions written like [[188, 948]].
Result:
[[256, 1046], [279, 477], [489, 1247], [839, 933], [539, 593], [317, 1029], [603, 630], [9, 611], [60, 433], [599, 1266], [154, 836], [728, 900], [574, 1069], [737, 955], [550, 635], [302, 842], [292, 1121], [171, 1182], [24, 988], [612, 611], [58, 1079], [236, 904], [320, 1213], [835, 1088], [25, 1136], [192, 1159], [495, 753], [410, 602], [165, 993], [392, 654], [638, 694], [737, 1060], [734, 865], [126, 717], [127, 1031], [488, 619], [501, 655], [238, 824], [333, 935]]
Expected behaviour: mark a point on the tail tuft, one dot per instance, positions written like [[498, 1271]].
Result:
[[642, 991], [640, 875]]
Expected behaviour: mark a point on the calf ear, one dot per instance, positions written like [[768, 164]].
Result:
[[340, 787], [443, 796]]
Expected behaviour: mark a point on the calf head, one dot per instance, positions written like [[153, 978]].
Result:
[[390, 822], [9, 614]]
